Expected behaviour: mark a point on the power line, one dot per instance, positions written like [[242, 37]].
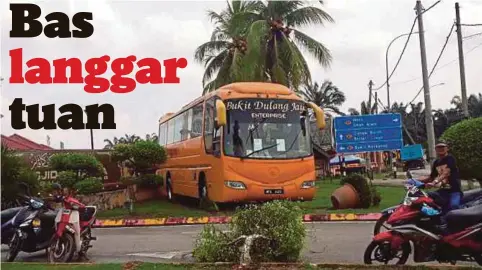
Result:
[[405, 47], [438, 59], [401, 55], [439, 68], [473, 24], [476, 34]]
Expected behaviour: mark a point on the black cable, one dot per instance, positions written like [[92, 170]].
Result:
[[401, 55], [476, 34], [438, 59], [405, 46], [473, 24]]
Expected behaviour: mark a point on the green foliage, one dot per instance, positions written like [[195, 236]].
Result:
[[360, 183], [15, 170], [151, 180], [464, 141], [77, 162], [67, 178], [376, 196], [213, 245], [143, 156], [89, 185], [279, 221]]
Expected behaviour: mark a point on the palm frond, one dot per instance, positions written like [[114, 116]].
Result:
[[318, 50]]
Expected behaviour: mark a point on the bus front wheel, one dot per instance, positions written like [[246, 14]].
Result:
[[169, 189]]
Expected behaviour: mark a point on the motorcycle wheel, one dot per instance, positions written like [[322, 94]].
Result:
[[375, 248], [478, 259], [380, 224], [62, 249], [13, 248]]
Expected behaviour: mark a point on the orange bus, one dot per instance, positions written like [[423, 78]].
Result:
[[243, 142]]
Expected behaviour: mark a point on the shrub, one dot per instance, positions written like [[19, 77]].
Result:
[[376, 196], [150, 180], [360, 183], [13, 171], [77, 162], [142, 156], [89, 185], [67, 179], [279, 221], [464, 139]]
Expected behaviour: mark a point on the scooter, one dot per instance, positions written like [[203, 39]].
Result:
[[73, 230], [7, 215], [417, 221], [470, 198], [33, 228]]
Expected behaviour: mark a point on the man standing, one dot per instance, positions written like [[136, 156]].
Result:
[[445, 173]]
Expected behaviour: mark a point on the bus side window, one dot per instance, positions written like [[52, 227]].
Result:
[[209, 126]]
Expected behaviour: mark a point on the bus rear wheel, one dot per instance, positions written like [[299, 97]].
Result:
[[169, 189], [203, 192]]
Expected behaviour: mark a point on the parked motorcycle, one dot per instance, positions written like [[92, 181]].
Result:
[[8, 214], [33, 227], [470, 198], [73, 230], [417, 220]]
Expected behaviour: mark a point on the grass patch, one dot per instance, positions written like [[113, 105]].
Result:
[[321, 204]]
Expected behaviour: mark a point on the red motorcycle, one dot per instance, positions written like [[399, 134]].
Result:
[[417, 221], [73, 225]]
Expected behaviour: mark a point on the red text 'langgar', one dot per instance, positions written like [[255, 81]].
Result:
[[149, 71]]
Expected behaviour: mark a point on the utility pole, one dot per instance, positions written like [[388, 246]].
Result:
[[465, 106], [92, 139], [426, 85], [370, 91], [369, 161]]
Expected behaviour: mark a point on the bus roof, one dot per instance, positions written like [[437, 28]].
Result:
[[241, 88]]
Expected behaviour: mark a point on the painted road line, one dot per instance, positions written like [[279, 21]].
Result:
[[160, 255], [170, 221]]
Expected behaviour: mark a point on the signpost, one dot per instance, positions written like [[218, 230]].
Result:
[[368, 133]]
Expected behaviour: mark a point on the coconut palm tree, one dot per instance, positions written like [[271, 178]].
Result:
[[275, 43], [152, 137], [221, 54], [474, 103], [364, 109], [127, 139], [256, 41], [328, 96]]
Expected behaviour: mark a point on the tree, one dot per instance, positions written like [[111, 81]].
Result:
[[464, 141], [256, 41], [14, 171], [274, 43], [152, 137], [127, 139], [363, 109], [474, 103], [328, 96], [227, 44]]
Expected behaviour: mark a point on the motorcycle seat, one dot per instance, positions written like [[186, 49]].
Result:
[[8, 214], [471, 195], [462, 218], [48, 215]]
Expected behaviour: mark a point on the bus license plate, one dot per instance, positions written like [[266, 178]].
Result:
[[273, 191]]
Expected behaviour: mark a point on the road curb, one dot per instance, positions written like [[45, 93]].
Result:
[[173, 221]]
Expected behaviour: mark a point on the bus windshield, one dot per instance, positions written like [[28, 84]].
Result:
[[267, 129]]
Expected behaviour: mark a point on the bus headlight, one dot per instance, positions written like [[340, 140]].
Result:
[[235, 184], [308, 184]]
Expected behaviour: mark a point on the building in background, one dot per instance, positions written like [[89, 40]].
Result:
[[20, 143]]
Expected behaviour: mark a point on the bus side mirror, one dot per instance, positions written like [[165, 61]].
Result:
[[220, 113], [319, 114]]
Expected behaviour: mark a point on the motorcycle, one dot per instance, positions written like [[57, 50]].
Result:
[[33, 227], [73, 230], [7, 215], [417, 220], [470, 198]]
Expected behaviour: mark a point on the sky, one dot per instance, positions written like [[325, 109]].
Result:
[[172, 29]]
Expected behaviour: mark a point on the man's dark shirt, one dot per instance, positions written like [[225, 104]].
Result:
[[447, 165]]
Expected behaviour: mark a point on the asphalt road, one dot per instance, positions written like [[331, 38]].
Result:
[[336, 242]]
